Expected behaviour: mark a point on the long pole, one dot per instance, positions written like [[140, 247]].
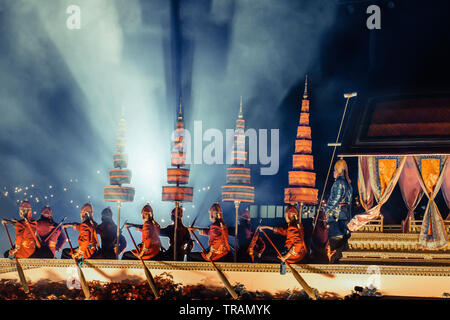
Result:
[[83, 282], [347, 96], [175, 232], [22, 278], [36, 240], [236, 206], [54, 230], [147, 272], [309, 291], [119, 203], [220, 273]]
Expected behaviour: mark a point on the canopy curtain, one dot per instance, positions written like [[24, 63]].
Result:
[[364, 189], [431, 174], [384, 173], [445, 188], [411, 189]]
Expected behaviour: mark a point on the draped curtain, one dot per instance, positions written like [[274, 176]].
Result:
[[445, 188], [431, 175], [384, 173], [411, 190], [364, 189]]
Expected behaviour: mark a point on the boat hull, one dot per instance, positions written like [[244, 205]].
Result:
[[335, 280]]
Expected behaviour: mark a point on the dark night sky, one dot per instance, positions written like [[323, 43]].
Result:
[[62, 91]]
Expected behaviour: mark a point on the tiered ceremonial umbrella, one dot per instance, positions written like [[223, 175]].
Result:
[[238, 188], [115, 192], [177, 176], [302, 179]]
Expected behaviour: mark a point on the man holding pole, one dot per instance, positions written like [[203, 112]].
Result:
[[219, 249], [87, 237], [338, 210], [184, 241], [250, 243], [26, 239], [50, 233], [295, 242], [150, 247], [108, 235]]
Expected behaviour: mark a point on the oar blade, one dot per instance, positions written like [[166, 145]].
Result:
[[220, 273], [84, 286], [150, 281], [22, 278], [227, 283], [309, 291]]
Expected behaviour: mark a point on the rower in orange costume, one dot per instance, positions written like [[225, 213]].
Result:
[[87, 237], [219, 249], [25, 245], [150, 248], [295, 242]]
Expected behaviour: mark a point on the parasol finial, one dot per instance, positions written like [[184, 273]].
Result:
[[240, 116], [305, 93], [180, 112]]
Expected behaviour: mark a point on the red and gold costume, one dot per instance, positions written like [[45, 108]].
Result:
[[295, 239], [87, 236], [25, 242], [87, 239], [25, 232], [218, 241], [218, 235], [151, 244], [295, 243]]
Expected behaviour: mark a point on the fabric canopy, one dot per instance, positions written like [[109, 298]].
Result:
[[431, 175], [384, 173], [364, 188], [445, 188], [411, 190]]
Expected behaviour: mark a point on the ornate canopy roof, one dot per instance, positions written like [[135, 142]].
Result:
[[398, 125]]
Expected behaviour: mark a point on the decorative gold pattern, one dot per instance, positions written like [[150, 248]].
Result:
[[7, 265], [392, 248]]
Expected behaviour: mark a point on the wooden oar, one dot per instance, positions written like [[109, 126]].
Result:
[[253, 242], [54, 230], [309, 291], [220, 273], [147, 272], [35, 237], [116, 247], [22, 278], [83, 282]]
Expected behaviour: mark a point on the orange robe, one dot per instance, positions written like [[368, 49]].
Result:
[[218, 241], [25, 239], [87, 239], [295, 242], [150, 240]]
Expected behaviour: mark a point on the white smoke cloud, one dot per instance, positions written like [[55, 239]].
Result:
[[257, 49]]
